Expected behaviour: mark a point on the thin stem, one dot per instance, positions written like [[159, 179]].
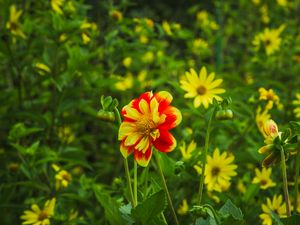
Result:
[[204, 156], [135, 183], [164, 218], [165, 187], [296, 181], [118, 117], [213, 212], [129, 182], [285, 186]]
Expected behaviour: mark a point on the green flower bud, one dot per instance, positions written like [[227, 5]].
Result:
[[224, 114]]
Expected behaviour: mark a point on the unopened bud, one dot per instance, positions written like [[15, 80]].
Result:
[[224, 114]]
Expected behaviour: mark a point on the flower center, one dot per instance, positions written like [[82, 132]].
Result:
[[268, 42], [13, 26], [215, 171], [263, 182], [270, 96], [201, 90], [147, 127], [66, 177], [43, 215]]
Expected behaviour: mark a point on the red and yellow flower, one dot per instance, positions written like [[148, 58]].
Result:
[[147, 121]]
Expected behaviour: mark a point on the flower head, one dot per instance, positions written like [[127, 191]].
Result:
[[270, 39], [261, 118], [219, 170], [187, 151], [263, 178], [39, 216], [56, 6], [13, 24], [276, 205], [62, 177], [203, 88], [184, 208], [269, 96], [147, 122], [296, 103]]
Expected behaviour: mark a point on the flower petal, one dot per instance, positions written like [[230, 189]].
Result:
[[166, 142], [143, 158]]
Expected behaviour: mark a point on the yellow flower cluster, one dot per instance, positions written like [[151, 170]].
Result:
[[13, 24], [62, 177], [276, 205]]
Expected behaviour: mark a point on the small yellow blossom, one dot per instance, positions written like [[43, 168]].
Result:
[[199, 44], [167, 28], [241, 187], [143, 39], [116, 15], [219, 170], [296, 103], [56, 6], [187, 151], [183, 208], [264, 14], [270, 39], [148, 57], [276, 205], [62, 177], [124, 83], [282, 3], [85, 38], [203, 88], [261, 118], [37, 216], [249, 79], [13, 24], [269, 96], [198, 169], [63, 37], [204, 20], [127, 62], [87, 25], [149, 23], [66, 134], [263, 178], [256, 2], [42, 68]]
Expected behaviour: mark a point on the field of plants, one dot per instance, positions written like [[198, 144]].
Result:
[[136, 112]]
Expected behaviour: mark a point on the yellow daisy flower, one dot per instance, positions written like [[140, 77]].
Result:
[[219, 170], [263, 178], [202, 88], [183, 208], [13, 24], [276, 205], [297, 104], [56, 6], [261, 118], [62, 177], [187, 151], [270, 39], [39, 216], [269, 96]]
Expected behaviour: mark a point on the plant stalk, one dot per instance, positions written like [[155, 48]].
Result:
[[135, 183], [296, 182], [165, 187], [285, 186], [200, 192], [118, 118]]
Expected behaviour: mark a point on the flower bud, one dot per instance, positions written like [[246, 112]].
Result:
[[270, 129], [106, 116], [224, 114]]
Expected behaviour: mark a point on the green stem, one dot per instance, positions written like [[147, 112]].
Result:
[[118, 117], [285, 186], [164, 218], [213, 212], [200, 192], [296, 181], [165, 187], [135, 183]]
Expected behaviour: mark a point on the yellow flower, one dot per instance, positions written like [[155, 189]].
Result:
[[264, 14], [166, 27], [56, 6], [13, 24], [124, 83], [261, 118], [296, 103], [116, 15], [187, 152], [203, 88], [87, 25], [66, 134], [127, 62], [282, 3], [204, 20], [148, 57], [63, 37], [256, 2], [275, 205], [219, 170], [270, 39], [241, 187], [263, 178], [199, 44], [270, 96], [62, 177], [37, 216], [85, 38], [183, 208], [42, 68]]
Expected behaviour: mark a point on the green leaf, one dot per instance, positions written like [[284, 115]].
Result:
[[292, 220], [229, 209], [110, 205], [276, 218], [19, 130], [126, 214], [150, 208]]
